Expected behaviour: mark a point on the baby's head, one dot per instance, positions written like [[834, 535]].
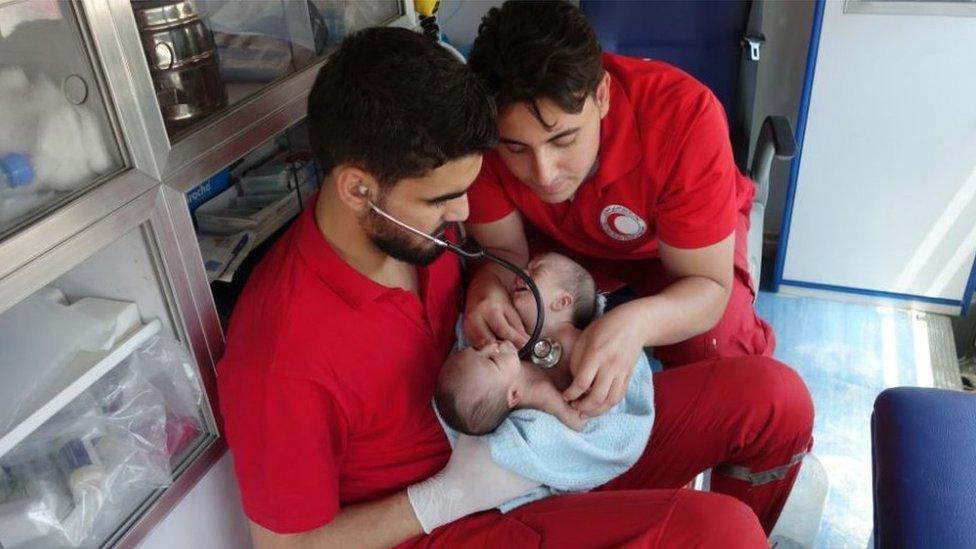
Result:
[[568, 292], [478, 388]]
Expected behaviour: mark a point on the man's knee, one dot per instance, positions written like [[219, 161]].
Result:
[[706, 519], [775, 390]]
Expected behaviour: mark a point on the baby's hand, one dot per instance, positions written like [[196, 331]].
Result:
[[571, 417]]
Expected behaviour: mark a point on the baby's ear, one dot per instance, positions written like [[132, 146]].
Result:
[[564, 301], [514, 396]]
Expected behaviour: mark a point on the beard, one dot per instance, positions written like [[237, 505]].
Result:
[[400, 244]]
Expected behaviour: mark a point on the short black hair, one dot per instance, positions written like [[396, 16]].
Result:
[[526, 51], [396, 104]]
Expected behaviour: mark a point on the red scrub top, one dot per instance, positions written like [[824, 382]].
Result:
[[665, 171], [325, 386]]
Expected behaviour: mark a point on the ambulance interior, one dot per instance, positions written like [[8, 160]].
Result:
[[131, 216]]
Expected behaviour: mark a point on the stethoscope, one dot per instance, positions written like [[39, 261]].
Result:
[[543, 352]]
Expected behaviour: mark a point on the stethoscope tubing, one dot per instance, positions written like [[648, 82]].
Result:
[[526, 351]]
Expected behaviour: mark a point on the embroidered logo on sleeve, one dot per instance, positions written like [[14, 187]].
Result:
[[621, 223]]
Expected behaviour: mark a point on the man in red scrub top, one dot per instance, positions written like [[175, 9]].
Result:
[[334, 348], [624, 164]]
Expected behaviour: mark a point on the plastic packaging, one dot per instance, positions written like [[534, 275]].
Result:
[[802, 514], [208, 189], [24, 521], [260, 41], [275, 177], [76, 479]]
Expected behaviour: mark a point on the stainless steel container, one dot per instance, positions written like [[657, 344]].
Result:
[[182, 58]]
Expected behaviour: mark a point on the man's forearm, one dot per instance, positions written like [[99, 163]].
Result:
[[381, 523], [688, 307]]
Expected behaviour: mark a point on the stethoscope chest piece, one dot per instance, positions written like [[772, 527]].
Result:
[[546, 353]]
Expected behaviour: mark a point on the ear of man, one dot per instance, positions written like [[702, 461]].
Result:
[[354, 186]]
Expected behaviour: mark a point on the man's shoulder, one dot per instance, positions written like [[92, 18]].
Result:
[[668, 105], [659, 90], [283, 310]]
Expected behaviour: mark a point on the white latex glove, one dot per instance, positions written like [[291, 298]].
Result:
[[470, 482]]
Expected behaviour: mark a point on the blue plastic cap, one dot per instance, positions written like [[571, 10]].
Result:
[[19, 168]]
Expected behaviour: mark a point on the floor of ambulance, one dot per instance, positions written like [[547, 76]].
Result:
[[847, 354]]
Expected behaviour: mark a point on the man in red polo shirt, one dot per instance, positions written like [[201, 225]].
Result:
[[626, 165], [335, 345]]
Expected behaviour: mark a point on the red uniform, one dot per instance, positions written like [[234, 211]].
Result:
[[665, 172], [326, 381], [325, 391]]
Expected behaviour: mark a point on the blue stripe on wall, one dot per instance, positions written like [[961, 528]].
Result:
[[872, 293], [967, 296]]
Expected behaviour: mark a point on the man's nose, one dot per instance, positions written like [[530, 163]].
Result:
[[544, 167], [457, 209]]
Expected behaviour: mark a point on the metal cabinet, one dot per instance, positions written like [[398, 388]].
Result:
[[103, 225], [139, 260], [58, 136], [263, 97]]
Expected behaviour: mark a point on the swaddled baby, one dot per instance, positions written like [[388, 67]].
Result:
[[519, 409], [478, 388]]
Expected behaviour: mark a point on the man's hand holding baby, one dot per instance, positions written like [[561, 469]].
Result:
[[603, 362]]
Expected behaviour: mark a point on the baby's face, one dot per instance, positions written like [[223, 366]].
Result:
[[494, 367], [543, 272]]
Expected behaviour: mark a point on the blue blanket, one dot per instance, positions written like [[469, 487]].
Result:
[[538, 446]]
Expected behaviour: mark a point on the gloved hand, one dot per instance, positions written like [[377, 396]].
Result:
[[470, 482]]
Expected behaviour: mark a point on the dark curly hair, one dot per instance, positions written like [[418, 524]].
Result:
[[526, 51], [396, 104]]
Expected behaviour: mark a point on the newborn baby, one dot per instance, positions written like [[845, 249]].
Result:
[[477, 389], [518, 407]]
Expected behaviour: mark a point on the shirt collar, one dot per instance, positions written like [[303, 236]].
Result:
[[620, 150], [352, 286]]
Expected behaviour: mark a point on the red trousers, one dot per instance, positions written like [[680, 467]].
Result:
[[747, 418], [740, 332]]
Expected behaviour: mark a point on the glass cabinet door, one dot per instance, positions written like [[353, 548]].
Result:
[[57, 137], [342, 17], [207, 55], [105, 381]]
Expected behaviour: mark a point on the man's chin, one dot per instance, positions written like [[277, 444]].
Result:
[[420, 257], [562, 194]]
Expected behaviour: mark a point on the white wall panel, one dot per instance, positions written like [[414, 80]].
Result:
[[208, 516], [886, 193]]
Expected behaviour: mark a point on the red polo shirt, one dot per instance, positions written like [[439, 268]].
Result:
[[326, 381], [665, 171]]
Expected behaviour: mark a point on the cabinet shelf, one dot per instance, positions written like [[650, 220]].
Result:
[[88, 368]]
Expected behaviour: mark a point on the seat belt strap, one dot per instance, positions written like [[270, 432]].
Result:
[[751, 44]]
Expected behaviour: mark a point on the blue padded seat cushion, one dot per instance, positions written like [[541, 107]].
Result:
[[924, 449]]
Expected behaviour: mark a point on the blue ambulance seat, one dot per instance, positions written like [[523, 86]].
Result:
[[701, 38], [704, 39], [924, 446]]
